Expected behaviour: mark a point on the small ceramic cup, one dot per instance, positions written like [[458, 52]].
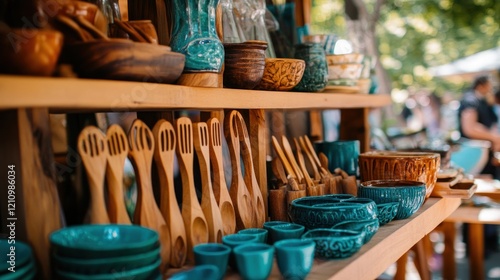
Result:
[[261, 233], [214, 254], [233, 240], [269, 225], [295, 257], [341, 154], [286, 231], [254, 261]]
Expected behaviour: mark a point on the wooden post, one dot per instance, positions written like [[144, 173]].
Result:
[[449, 264], [354, 126], [26, 146]]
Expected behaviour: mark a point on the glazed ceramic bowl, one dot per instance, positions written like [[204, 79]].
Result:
[[387, 212], [254, 261], [281, 74], [339, 196], [333, 59], [244, 64], [369, 227], [295, 257], [204, 271], [101, 241], [29, 51], [395, 165], [409, 194], [346, 71], [335, 243], [212, 254], [261, 233], [286, 231]]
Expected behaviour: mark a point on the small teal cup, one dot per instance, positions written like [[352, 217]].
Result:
[[341, 154], [286, 231], [214, 254], [295, 257], [254, 260], [234, 240], [268, 226], [261, 233]]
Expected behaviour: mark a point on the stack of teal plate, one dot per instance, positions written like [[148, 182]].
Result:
[[16, 260], [95, 252]]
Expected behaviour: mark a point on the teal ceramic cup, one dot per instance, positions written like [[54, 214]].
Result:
[[286, 231], [295, 257], [268, 226], [261, 233], [214, 254], [254, 261], [341, 154], [234, 240]]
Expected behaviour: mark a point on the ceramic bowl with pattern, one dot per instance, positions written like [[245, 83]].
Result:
[[281, 74], [344, 58], [387, 212], [345, 71], [335, 243], [369, 227]]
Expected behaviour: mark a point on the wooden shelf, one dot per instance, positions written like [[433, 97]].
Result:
[[104, 95]]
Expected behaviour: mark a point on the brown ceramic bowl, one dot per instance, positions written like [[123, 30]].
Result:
[[282, 73], [410, 166], [121, 59], [29, 51], [244, 64]]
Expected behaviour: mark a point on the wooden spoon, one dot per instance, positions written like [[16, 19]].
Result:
[[317, 175], [117, 154], [147, 213], [315, 156], [291, 158], [242, 200], [194, 219], [283, 158], [164, 135], [208, 203], [93, 151], [302, 165], [278, 170], [324, 160], [250, 178], [219, 183]]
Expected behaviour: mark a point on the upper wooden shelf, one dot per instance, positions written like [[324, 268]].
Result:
[[104, 95]]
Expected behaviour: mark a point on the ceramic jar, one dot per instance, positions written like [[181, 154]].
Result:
[[315, 75]]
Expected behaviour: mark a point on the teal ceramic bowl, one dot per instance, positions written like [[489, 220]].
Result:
[[25, 272], [106, 265], [335, 243], [268, 226], [369, 227], [409, 194], [254, 261], [387, 212], [286, 231], [23, 254], [295, 257], [212, 254], [234, 240], [102, 241], [205, 272], [261, 233], [339, 196], [143, 273]]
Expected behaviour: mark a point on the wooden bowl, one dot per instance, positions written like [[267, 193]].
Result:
[[244, 64], [282, 73], [29, 51], [120, 59], [409, 166]]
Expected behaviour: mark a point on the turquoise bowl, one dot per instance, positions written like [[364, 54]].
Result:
[[339, 196], [387, 212], [335, 243], [106, 265], [269, 225], [286, 231], [409, 194], [295, 257], [234, 240], [102, 241], [143, 273], [205, 272], [25, 272], [23, 254], [254, 261], [306, 211], [213, 254], [261, 233], [369, 227]]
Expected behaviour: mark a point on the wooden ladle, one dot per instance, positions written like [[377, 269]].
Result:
[[117, 154], [208, 203], [192, 214], [219, 183], [147, 213], [165, 142], [93, 151]]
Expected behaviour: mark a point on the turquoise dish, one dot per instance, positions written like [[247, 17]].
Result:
[[369, 227], [205, 272], [25, 272], [387, 212], [23, 252], [335, 243], [102, 241], [286, 231]]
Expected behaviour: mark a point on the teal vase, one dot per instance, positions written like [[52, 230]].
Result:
[[315, 75], [194, 35]]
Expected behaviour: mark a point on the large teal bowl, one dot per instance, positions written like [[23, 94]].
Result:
[[335, 243], [409, 194], [102, 241]]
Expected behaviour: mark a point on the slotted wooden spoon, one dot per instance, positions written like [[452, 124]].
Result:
[[219, 183], [192, 214], [147, 213], [164, 135], [208, 203], [242, 200], [93, 151], [117, 154], [250, 178]]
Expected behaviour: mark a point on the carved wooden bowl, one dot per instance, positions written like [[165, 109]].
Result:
[[244, 64], [282, 74], [410, 166]]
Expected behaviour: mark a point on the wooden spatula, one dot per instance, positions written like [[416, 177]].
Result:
[[93, 151], [302, 164], [310, 147], [219, 183], [192, 214], [242, 200], [291, 158], [250, 178], [117, 154], [208, 203], [317, 175], [288, 168], [147, 213], [164, 136]]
